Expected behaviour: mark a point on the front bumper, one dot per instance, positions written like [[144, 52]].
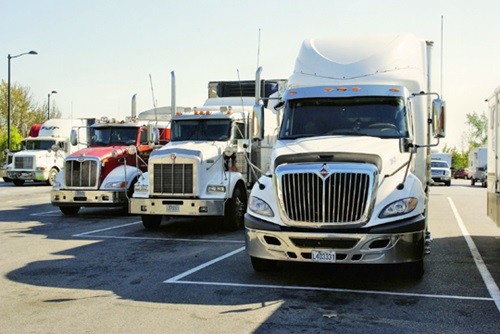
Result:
[[88, 198], [399, 242], [176, 207], [27, 175]]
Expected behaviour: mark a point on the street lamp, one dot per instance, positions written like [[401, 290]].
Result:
[[9, 57], [48, 103]]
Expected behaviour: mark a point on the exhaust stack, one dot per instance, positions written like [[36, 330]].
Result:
[[173, 107], [133, 112]]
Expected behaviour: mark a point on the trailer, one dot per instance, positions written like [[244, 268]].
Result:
[[493, 166]]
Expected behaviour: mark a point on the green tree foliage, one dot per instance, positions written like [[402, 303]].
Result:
[[477, 135], [24, 112]]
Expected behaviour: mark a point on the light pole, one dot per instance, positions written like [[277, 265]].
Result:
[[9, 57], [48, 103]]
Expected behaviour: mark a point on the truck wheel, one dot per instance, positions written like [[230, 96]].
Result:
[[263, 265], [447, 183], [234, 210], [69, 210], [52, 176], [151, 222], [18, 182], [472, 181], [415, 270]]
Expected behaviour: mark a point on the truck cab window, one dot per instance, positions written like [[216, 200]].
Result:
[[384, 117]]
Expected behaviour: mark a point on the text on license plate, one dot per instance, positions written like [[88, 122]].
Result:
[[172, 208], [323, 256]]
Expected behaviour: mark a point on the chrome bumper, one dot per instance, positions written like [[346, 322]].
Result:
[[27, 175], [352, 247], [176, 207], [88, 198]]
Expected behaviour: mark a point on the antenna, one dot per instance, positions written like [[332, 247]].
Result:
[[153, 95], [442, 26], [258, 50]]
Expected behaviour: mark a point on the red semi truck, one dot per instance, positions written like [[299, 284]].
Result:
[[104, 173]]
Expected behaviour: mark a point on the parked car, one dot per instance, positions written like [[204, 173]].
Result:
[[441, 172], [461, 173]]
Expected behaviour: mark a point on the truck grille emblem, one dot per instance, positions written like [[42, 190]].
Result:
[[324, 171], [172, 156]]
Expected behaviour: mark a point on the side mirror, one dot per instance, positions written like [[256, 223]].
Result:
[[438, 118], [405, 145], [73, 137], [258, 122]]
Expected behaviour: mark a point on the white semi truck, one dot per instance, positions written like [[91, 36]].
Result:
[[493, 167], [212, 158], [351, 166], [42, 157]]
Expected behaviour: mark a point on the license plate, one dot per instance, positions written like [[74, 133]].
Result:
[[323, 256], [80, 193], [172, 208]]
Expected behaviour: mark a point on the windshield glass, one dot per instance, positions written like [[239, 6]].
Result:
[[37, 144], [439, 164], [104, 136], [384, 117], [207, 129]]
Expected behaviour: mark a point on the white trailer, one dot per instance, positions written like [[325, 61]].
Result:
[[352, 187], [42, 157], [493, 167], [207, 167], [478, 161]]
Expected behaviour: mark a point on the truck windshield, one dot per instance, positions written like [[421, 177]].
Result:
[[207, 129], [439, 164], [105, 136], [383, 117], [37, 144]]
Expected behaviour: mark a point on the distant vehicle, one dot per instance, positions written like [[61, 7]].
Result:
[[478, 159], [441, 172], [443, 157], [43, 151], [461, 173]]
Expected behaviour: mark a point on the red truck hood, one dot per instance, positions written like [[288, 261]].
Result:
[[99, 152]]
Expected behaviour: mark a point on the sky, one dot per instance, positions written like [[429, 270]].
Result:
[[97, 54]]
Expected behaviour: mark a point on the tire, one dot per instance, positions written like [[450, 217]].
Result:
[[69, 210], [414, 270], [263, 265], [18, 182], [447, 183], [151, 222], [7, 179], [235, 209], [52, 176], [472, 181]]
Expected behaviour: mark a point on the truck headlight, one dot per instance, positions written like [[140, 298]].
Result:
[[257, 205], [400, 207], [216, 189], [141, 188], [119, 185]]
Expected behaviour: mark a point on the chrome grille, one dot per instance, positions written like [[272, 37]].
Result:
[[82, 174], [336, 197], [23, 162], [173, 178]]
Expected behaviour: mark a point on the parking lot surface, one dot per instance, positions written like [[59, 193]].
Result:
[[101, 271]]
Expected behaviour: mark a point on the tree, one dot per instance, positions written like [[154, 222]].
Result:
[[477, 134], [24, 112]]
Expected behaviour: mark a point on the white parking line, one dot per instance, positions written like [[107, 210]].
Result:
[[177, 280], [91, 234], [44, 213], [105, 229], [481, 266]]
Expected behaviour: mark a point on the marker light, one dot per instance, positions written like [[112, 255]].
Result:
[[341, 89], [356, 89], [328, 89], [394, 90]]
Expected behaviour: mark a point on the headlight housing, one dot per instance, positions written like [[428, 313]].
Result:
[[216, 189], [400, 207], [116, 185], [257, 205]]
